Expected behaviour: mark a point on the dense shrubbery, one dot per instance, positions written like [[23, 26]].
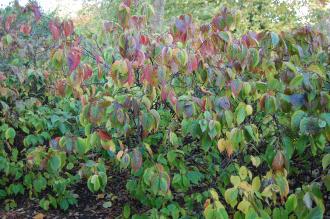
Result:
[[206, 124]]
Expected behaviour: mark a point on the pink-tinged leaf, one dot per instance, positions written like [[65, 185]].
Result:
[[127, 3], [172, 97], [36, 11], [10, 19], [236, 87], [54, 28], [109, 26], [136, 159], [77, 41], [164, 92], [201, 103], [99, 59], [88, 72], [60, 87], [205, 28], [223, 102], [124, 14], [130, 76], [167, 54], [83, 100], [192, 64], [26, 29], [139, 58], [180, 25], [138, 21], [207, 48], [74, 58], [67, 27], [2, 77], [144, 39], [146, 74]]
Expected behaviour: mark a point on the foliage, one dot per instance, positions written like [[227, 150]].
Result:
[[203, 122]]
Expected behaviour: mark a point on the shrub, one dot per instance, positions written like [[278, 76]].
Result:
[[206, 123]]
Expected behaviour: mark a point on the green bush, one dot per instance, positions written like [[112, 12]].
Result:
[[205, 124]]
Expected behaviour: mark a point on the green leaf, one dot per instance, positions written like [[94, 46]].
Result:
[[243, 172], [44, 203], [326, 181], [126, 211], [275, 39], [235, 180], [291, 66], [81, 146], [255, 161], [55, 163], [240, 117], [243, 206], [288, 147], [315, 213], [203, 124], [255, 56], [317, 69], [10, 134], [174, 139], [296, 81], [296, 118], [96, 182], [224, 35], [309, 125], [256, 184], [229, 118], [325, 161], [251, 214], [291, 203], [231, 196], [107, 204], [195, 177]]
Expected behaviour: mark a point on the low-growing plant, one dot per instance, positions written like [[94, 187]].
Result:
[[204, 124]]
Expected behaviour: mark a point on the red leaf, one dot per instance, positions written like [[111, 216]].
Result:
[[164, 93], [88, 72], [10, 19], [104, 135], [54, 28], [74, 58], [136, 159], [67, 27], [26, 29], [144, 39]]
